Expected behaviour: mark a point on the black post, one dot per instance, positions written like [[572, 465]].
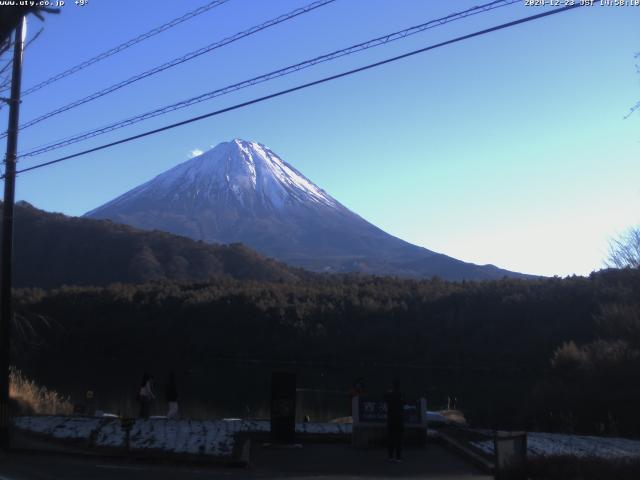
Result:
[[283, 407], [7, 236]]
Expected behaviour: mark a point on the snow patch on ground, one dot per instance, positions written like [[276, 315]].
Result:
[[110, 434], [212, 438], [556, 444], [436, 418], [312, 428], [59, 427], [193, 437], [318, 428]]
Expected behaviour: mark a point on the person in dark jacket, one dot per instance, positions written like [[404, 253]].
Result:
[[146, 395], [395, 421], [172, 396]]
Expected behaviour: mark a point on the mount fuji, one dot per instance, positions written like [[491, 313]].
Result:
[[242, 191]]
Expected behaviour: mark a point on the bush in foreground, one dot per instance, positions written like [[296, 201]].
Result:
[[28, 397]]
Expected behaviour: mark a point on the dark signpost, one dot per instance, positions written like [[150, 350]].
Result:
[[283, 407]]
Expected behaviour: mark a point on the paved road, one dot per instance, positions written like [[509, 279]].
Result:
[[317, 461]]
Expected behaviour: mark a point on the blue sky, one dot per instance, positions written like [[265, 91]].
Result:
[[509, 149]]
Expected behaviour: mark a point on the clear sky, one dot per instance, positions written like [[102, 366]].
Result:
[[509, 149]]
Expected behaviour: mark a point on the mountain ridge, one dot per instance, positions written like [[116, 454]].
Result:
[[242, 191], [52, 249]]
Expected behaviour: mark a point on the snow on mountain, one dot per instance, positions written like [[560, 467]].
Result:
[[247, 170], [242, 191]]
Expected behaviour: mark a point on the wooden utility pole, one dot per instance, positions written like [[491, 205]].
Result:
[[7, 235]]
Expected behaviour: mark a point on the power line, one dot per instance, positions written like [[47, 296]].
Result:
[[633, 109], [304, 86], [6, 82], [125, 45], [177, 61], [269, 76]]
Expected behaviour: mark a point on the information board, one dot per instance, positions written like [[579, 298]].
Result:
[[374, 410]]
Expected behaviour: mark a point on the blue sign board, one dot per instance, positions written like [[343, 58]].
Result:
[[374, 410]]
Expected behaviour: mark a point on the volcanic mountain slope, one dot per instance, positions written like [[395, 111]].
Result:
[[51, 249], [242, 191]]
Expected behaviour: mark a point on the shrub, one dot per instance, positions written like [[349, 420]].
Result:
[[29, 397]]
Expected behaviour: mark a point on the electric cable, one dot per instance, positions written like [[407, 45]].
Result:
[[266, 77], [123, 46], [175, 62], [304, 86]]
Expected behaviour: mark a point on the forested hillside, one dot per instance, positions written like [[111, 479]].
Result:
[[53, 250], [558, 338]]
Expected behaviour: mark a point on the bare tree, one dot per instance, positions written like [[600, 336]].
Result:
[[637, 105], [624, 251]]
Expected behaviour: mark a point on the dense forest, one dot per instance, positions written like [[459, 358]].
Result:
[[51, 250], [553, 354]]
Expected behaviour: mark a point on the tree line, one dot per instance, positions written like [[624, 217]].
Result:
[[573, 343]]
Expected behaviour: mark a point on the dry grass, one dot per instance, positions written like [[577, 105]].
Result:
[[29, 397]]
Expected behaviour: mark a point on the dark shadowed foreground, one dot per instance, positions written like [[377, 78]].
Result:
[[311, 461]]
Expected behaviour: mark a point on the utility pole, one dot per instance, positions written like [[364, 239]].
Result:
[[7, 235]]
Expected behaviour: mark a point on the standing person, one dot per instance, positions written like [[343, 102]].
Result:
[[395, 421], [172, 396], [355, 390], [146, 396]]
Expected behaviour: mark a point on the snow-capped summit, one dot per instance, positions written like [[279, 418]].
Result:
[[242, 191], [248, 172]]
